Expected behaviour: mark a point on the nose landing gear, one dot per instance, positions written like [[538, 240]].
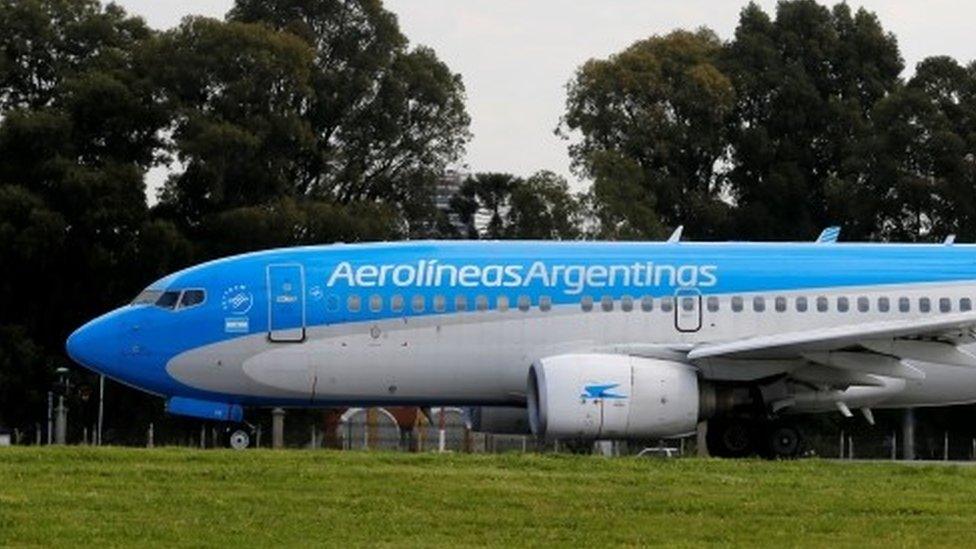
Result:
[[239, 436]]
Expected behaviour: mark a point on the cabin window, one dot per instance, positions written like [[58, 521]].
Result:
[[375, 303], [586, 303], [737, 304], [524, 303], [418, 303], [884, 305], [168, 300], [502, 303], [904, 304], [667, 304], [460, 303], [440, 303], [759, 304], [606, 303], [332, 303], [647, 303], [945, 305], [801, 304], [712, 304], [626, 303], [863, 304], [965, 304], [822, 304], [481, 303], [780, 304], [353, 303], [924, 305], [545, 303], [688, 303], [396, 303], [843, 304], [191, 298]]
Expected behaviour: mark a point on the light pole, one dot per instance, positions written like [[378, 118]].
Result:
[[61, 413], [101, 408]]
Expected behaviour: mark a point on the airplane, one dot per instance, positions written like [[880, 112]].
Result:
[[577, 340]]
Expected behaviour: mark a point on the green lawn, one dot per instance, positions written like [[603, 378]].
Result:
[[85, 496]]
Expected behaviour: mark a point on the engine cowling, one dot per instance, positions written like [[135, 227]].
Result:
[[603, 396]]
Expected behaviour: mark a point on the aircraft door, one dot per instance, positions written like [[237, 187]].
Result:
[[286, 303], [687, 309]]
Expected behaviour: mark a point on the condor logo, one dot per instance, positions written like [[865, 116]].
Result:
[[597, 391]]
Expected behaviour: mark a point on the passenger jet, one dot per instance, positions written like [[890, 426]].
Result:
[[579, 340]]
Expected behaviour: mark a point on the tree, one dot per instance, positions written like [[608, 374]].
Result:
[[806, 84], [386, 119], [657, 114]]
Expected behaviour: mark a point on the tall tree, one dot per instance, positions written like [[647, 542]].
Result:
[[656, 112], [386, 119]]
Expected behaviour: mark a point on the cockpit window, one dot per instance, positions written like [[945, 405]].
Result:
[[191, 298], [147, 297], [168, 299]]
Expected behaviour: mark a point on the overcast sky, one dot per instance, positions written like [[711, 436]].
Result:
[[516, 55]]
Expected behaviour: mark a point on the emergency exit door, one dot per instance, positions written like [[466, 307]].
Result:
[[286, 303], [687, 309]]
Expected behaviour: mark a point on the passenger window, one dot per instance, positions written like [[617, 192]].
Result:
[[440, 303], [780, 304], [712, 304], [647, 303], [460, 303], [843, 304], [481, 303], [884, 305], [822, 304], [606, 303], [924, 305], [863, 305], [353, 304], [418, 303], [688, 303], [965, 304], [801, 304], [524, 303], [945, 305], [168, 300], [332, 303], [191, 298], [904, 304], [502, 303], [759, 304], [667, 304], [737, 304], [396, 303], [375, 303], [586, 303], [626, 303], [545, 303]]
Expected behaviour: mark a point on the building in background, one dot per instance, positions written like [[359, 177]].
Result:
[[447, 187]]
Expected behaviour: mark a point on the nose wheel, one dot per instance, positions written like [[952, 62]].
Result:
[[239, 440]]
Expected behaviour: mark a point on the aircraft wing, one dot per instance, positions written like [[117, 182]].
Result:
[[931, 339]]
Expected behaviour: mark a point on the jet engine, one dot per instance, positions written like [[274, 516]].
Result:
[[605, 396]]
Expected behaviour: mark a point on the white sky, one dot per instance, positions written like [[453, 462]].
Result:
[[515, 56]]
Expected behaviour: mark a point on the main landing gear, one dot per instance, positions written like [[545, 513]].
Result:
[[736, 437]]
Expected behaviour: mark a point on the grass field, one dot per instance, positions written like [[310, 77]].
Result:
[[110, 496]]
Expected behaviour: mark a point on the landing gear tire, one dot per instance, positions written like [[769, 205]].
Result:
[[783, 442], [239, 440], [732, 438]]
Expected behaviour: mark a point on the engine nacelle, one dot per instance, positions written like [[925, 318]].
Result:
[[499, 420], [603, 396]]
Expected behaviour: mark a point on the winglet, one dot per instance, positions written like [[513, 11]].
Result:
[[949, 240], [829, 235], [676, 235]]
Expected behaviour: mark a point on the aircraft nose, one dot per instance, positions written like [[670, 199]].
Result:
[[95, 345]]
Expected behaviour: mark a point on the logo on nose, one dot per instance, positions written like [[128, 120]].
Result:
[[237, 300]]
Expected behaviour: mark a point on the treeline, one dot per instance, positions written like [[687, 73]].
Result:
[[314, 121]]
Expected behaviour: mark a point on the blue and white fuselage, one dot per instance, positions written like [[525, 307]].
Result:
[[462, 323]]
